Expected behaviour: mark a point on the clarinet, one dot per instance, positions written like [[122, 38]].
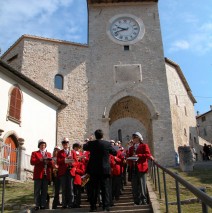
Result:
[[45, 163]]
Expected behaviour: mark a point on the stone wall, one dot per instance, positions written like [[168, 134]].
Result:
[[182, 110]]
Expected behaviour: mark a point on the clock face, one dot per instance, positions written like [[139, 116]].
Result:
[[125, 29]]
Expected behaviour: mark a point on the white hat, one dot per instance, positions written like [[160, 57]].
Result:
[[57, 147], [65, 140], [40, 142], [139, 135]]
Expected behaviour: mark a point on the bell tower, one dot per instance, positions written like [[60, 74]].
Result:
[[127, 74]]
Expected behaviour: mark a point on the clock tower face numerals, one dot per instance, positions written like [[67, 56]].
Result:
[[125, 29]]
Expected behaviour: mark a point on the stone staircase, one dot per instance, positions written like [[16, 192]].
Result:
[[125, 204]]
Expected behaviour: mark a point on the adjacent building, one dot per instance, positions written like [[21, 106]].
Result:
[[28, 112], [204, 123]]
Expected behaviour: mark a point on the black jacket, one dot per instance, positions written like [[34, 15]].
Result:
[[98, 163]]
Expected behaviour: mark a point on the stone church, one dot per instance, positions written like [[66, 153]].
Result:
[[119, 81]]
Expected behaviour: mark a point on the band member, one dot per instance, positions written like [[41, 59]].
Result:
[[80, 171], [66, 173], [117, 170], [139, 168], [99, 170], [42, 162], [55, 179]]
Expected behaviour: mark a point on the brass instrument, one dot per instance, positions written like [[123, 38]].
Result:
[[46, 159], [45, 163], [85, 178]]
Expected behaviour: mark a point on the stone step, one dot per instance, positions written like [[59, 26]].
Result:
[[125, 204], [141, 209]]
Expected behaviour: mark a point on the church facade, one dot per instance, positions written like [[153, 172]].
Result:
[[119, 81]]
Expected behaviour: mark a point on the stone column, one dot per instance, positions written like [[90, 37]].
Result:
[[21, 164], [105, 127], [186, 158]]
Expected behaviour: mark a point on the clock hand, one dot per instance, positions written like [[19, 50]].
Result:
[[123, 28]]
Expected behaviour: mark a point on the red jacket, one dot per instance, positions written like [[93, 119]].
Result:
[[39, 169], [64, 166], [143, 153], [117, 163], [80, 170]]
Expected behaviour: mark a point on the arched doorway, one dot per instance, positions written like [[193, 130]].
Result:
[[129, 114], [11, 156]]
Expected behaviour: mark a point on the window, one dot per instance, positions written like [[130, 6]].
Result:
[[205, 132], [58, 81], [203, 118], [126, 48], [15, 102], [185, 133], [185, 110], [176, 99]]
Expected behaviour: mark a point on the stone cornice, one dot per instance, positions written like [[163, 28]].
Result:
[[117, 1]]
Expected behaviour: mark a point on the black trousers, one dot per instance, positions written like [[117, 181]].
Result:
[[67, 183], [40, 192], [101, 183], [77, 195], [57, 184], [116, 186]]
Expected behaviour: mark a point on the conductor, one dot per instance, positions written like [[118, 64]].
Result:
[[99, 169]]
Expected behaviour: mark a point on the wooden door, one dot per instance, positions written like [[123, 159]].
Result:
[[10, 153]]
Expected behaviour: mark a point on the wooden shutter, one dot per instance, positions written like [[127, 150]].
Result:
[[15, 104]]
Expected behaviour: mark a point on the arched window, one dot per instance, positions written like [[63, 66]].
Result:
[[119, 135], [14, 112], [58, 81]]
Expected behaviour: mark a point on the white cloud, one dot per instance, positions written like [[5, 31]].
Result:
[[198, 40], [206, 27], [180, 45], [59, 19]]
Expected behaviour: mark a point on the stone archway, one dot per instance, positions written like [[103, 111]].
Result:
[[130, 114]]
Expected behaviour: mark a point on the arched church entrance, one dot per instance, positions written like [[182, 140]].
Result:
[[128, 115]]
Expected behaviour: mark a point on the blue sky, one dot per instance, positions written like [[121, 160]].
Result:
[[186, 31]]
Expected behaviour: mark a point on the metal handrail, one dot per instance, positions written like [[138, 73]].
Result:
[[3, 190], [206, 199]]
